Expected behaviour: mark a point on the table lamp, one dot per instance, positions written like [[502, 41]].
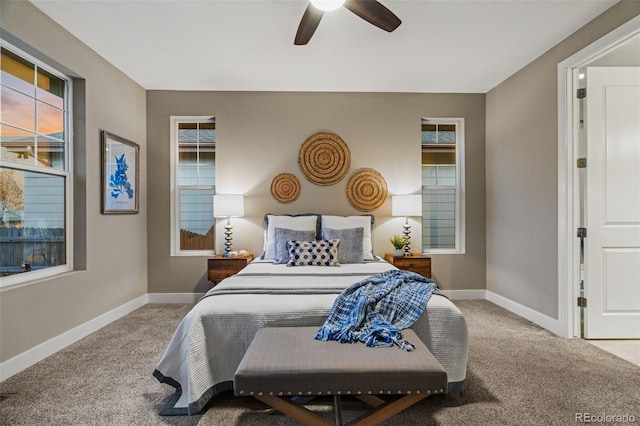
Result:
[[228, 206], [406, 205]]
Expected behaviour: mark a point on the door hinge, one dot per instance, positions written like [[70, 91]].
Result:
[[582, 302], [581, 163], [581, 93], [582, 232]]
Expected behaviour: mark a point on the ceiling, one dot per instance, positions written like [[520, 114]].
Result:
[[236, 45]]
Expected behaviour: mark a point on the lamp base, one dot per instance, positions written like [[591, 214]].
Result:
[[227, 239], [407, 238]]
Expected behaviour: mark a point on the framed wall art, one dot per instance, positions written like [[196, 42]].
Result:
[[119, 177]]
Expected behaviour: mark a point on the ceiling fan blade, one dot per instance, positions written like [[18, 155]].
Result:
[[308, 25], [375, 13]]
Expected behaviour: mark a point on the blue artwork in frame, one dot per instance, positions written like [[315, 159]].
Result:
[[120, 173]]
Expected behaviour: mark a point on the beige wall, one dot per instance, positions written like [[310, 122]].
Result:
[[522, 172], [116, 245], [259, 136]]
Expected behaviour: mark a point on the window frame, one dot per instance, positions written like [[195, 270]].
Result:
[[175, 188], [460, 214], [32, 277]]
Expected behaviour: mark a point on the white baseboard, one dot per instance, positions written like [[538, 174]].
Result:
[[527, 313], [38, 353], [465, 294], [174, 297]]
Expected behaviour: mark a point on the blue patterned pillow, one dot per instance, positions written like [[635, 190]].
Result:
[[313, 253]]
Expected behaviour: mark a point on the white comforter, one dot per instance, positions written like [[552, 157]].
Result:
[[209, 343]]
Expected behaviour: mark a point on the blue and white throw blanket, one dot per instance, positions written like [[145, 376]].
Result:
[[374, 310]]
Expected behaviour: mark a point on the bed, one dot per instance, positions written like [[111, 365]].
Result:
[[206, 348]]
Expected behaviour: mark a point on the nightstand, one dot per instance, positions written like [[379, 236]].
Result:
[[415, 263], [219, 267]]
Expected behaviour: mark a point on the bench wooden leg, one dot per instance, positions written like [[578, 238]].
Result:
[[370, 400], [293, 410], [386, 410], [382, 411]]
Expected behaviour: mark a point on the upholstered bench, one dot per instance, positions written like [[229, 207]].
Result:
[[284, 362]]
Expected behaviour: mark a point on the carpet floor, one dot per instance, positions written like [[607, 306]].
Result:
[[518, 374]]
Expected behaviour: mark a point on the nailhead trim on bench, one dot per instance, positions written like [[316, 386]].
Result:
[[294, 361], [382, 392]]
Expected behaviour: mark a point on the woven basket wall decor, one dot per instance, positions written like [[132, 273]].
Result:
[[324, 158], [285, 188], [366, 189]]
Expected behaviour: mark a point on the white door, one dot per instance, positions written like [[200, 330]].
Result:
[[612, 216]]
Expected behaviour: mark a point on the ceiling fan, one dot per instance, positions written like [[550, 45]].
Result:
[[369, 10]]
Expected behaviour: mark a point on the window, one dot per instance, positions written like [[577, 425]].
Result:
[[35, 168], [443, 185], [193, 160]]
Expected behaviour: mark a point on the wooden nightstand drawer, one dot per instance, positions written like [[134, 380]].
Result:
[[219, 267], [415, 263], [219, 275]]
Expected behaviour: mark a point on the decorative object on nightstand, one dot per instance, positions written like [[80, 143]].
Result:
[[220, 267], [417, 263], [228, 206], [406, 205], [398, 242]]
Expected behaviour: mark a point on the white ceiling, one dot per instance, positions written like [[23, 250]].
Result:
[[441, 46]]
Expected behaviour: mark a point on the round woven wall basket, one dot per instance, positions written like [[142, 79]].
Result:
[[324, 158], [366, 189], [285, 188]]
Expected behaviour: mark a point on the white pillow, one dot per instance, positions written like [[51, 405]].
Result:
[[344, 222], [297, 223]]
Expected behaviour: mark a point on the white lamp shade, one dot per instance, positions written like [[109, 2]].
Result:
[[228, 205], [406, 205]]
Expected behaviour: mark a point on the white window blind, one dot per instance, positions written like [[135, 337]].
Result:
[[194, 164], [442, 185]]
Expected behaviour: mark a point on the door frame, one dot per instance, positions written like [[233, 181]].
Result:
[[568, 190]]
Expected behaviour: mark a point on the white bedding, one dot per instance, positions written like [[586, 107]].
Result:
[[209, 343]]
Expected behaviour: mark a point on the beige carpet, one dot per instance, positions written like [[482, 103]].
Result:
[[519, 374]]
